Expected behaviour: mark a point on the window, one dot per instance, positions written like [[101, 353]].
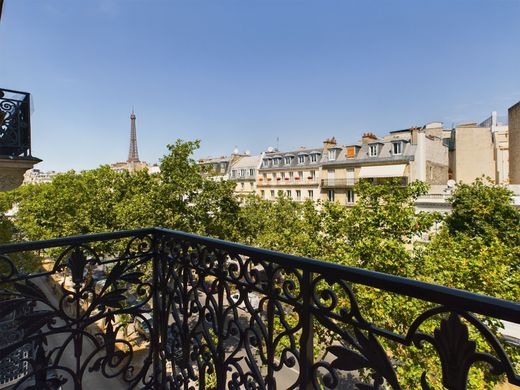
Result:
[[291, 174], [263, 194], [397, 148], [272, 194], [351, 152], [251, 172], [350, 196], [311, 194], [332, 154], [265, 175], [288, 193], [283, 175], [298, 195], [288, 160], [312, 175], [372, 150], [242, 186], [300, 175], [222, 167], [276, 162], [234, 173], [242, 173], [301, 159], [331, 195], [314, 157]]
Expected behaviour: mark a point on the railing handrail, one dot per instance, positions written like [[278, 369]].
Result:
[[451, 297]]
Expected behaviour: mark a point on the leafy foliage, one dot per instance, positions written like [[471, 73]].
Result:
[[477, 247]]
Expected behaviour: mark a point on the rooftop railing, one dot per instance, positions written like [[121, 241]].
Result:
[[161, 309], [15, 124]]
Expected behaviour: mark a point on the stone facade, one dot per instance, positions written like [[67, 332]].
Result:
[[514, 144]]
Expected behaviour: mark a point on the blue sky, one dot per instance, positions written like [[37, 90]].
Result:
[[244, 72]]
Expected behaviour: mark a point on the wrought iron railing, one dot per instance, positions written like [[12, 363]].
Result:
[[155, 308], [15, 123], [338, 183]]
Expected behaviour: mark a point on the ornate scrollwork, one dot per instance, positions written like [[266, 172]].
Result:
[[218, 316]]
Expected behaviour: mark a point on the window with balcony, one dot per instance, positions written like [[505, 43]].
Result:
[[331, 195]]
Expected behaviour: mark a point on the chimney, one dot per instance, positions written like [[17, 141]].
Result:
[[329, 142], [368, 137]]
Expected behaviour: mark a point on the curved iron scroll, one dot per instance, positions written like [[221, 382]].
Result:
[[221, 315]]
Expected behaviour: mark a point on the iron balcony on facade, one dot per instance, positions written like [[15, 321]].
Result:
[[160, 309], [274, 182], [338, 183], [15, 138]]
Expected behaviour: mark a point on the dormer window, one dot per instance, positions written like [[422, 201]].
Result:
[[397, 147], [301, 159], [373, 150], [332, 154], [287, 160], [314, 157], [351, 152], [276, 161]]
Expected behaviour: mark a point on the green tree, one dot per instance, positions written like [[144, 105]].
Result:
[[484, 210]]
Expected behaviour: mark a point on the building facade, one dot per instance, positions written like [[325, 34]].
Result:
[[478, 150], [411, 154], [244, 171], [514, 143], [294, 174]]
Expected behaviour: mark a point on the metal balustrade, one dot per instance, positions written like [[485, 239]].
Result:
[[15, 123], [177, 311]]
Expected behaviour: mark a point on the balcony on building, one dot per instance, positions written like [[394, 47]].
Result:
[[15, 138], [160, 309]]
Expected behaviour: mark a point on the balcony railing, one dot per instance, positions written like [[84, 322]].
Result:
[[155, 308], [269, 182], [15, 124], [338, 183]]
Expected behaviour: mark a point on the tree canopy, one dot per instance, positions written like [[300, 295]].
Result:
[[476, 247]]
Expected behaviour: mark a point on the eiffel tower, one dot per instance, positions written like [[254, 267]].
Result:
[[133, 155]]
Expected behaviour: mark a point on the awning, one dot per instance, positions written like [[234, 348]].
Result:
[[382, 171]]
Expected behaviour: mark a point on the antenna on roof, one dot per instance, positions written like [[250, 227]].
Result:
[[277, 143]]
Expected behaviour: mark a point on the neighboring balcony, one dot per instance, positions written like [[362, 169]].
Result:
[[338, 183], [160, 309], [287, 181], [15, 138]]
